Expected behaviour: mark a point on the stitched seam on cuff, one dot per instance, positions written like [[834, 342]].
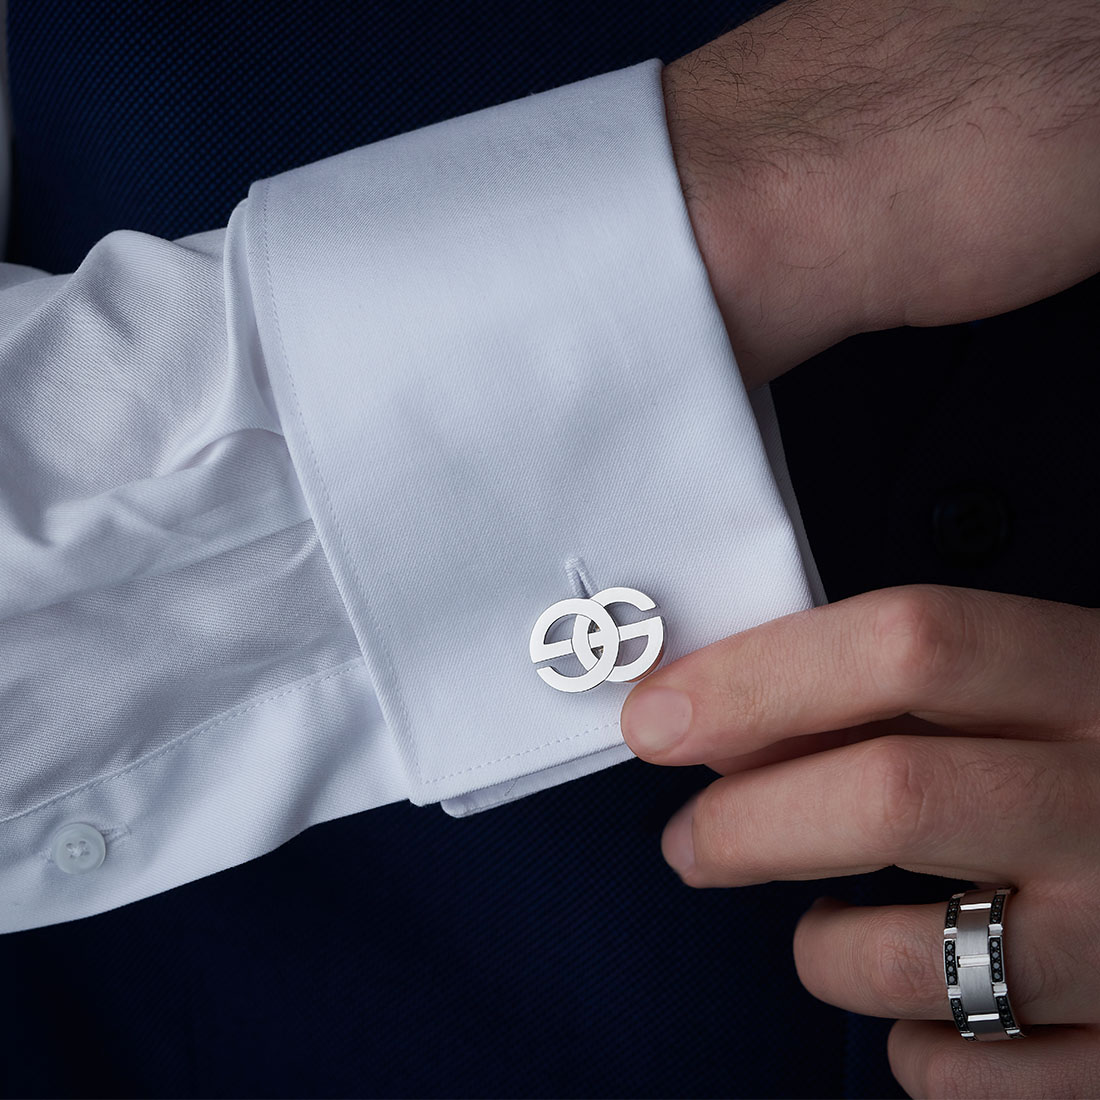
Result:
[[205, 727], [524, 752], [378, 637]]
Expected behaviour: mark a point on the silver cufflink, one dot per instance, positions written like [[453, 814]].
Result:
[[596, 640]]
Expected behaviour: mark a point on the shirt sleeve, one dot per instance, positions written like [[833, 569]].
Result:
[[280, 504]]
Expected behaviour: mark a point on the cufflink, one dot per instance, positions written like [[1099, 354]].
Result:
[[596, 640]]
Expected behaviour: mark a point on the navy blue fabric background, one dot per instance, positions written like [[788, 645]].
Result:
[[541, 949]]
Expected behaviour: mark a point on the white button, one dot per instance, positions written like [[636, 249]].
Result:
[[78, 848]]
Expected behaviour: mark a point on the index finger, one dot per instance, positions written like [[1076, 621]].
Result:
[[978, 662]]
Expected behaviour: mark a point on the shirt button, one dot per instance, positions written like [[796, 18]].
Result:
[[970, 526], [78, 848]]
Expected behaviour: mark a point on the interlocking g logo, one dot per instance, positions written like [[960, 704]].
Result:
[[595, 631]]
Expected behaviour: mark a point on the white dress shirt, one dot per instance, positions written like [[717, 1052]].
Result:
[[280, 504]]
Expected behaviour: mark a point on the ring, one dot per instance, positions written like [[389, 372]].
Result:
[[974, 965]]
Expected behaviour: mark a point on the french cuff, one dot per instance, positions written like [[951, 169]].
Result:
[[504, 381]]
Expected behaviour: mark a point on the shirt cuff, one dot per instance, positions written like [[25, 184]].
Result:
[[504, 381]]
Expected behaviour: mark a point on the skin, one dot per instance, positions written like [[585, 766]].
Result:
[[851, 166], [968, 746]]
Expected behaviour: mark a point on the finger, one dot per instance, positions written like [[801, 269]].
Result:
[[803, 745], [931, 1059], [978, 661], [970, 808], [888, 960]]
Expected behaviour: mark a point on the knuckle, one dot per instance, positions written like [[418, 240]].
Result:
[[1040, 979], [896, 779], [707, 838], [902, 976], [919, 634], [1051, 794], [720, 854], [753, 673], [1007, 779], [710, 839], [742, 691], [1036, 976]]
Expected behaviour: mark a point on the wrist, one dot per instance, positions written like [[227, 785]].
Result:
[[857, 166], [785, 263]]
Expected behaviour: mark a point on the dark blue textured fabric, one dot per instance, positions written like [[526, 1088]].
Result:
[[156, 116], [540, 949]]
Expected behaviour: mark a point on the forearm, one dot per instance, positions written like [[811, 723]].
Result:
[[851, 167]]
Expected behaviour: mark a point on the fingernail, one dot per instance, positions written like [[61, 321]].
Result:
[[825, 902], [656, 719], [677, 842]]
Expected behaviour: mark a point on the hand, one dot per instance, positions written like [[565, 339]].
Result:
[[855, 166], [994, 777]]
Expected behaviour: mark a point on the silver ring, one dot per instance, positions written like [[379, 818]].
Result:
[[974, 965]]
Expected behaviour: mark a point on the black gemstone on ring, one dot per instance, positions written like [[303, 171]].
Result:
[[952, 918], [997, 909], [995, 965]]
